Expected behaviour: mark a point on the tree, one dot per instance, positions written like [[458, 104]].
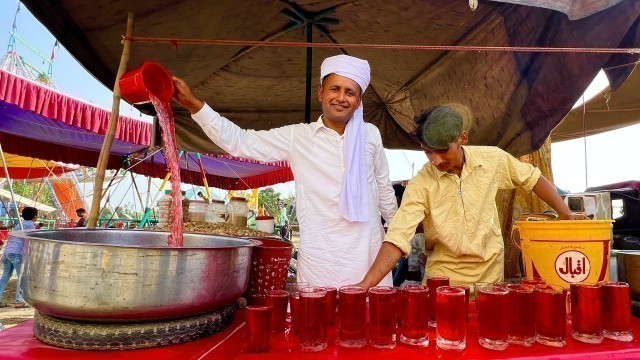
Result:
[[268, 198]]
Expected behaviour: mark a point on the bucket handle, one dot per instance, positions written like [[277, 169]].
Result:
[[513, 239]]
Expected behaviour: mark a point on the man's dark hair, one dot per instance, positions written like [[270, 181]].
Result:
[[29, 213], [438, 126], [81, 210], [399, 190]]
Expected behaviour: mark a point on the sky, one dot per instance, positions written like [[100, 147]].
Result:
[[610, 155]]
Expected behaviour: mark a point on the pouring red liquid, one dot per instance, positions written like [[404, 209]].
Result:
[[153, 83]]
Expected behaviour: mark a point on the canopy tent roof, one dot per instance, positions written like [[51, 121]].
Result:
[[509, 99], [40, 122], [26, 201], [22, 167], [609, 110]]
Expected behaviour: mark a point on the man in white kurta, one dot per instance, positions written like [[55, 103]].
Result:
[[333, 251]]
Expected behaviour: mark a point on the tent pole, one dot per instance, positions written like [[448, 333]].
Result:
[[13, 200], [307, 100], [111, 132]]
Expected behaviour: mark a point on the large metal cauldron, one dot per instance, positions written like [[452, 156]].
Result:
[[103, 275]]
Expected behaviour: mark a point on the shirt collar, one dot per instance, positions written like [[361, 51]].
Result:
[[318, 125], [471, 161]]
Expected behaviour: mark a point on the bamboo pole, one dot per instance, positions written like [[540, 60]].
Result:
[[111, 132]]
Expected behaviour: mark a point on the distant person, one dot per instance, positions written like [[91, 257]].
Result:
[[203, 196], [410, 267], [12, 256], [283, 220], [82, 215]]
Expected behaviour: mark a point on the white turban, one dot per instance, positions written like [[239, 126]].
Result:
[[354, 194]]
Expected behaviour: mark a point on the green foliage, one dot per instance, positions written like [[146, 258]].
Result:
[[33, 190], [269, 198]]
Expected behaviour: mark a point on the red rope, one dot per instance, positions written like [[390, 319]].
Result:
[[175, 41]]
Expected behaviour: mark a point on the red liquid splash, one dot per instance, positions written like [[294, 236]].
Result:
[[165, 117]]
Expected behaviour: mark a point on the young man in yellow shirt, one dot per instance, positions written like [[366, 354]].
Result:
[[454, 196]]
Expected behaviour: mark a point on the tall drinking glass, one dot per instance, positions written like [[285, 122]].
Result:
[[415, 318], [522, 323], [312, 327], [292, 287], [451, 314], [382, 317], [433, 283], [258, 324], [532, 281], [352, 317], [493, 317], [476, 291], [296, 312], [278, 300], [331, 303], [616, 311], [585, 313], [551, 315], [467, 296]]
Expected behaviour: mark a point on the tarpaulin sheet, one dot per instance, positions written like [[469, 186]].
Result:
[[509, 99]]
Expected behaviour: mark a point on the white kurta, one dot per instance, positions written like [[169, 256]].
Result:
[[333, 251]]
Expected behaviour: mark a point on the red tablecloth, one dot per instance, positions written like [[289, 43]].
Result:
[[19, 343]]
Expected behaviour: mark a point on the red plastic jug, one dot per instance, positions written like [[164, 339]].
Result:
[[150, 78]]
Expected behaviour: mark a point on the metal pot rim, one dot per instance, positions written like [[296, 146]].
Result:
[[243, 242]]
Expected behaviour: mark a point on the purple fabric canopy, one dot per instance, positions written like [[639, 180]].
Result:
[[49, 125]]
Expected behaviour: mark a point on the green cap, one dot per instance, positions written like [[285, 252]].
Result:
[[441, 127], [167, 191]]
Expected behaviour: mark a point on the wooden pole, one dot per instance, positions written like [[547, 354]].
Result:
[[111, 132]]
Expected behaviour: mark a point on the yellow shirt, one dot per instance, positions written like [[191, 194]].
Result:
[[460, 215]]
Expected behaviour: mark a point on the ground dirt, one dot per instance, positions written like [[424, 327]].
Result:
[[10, 316]]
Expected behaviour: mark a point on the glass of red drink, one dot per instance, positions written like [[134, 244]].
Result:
[[258, 324], [532, 281], [433, 283], [296, 314], [331, 303], [493, 317], [415, 318], [312, 327], [278, 300], [586, 325], [467, 296], [522, 323], [451, 314], [382, 317], [551, 315], [476, 291], [616, 311], [292, 287], [352, 317]]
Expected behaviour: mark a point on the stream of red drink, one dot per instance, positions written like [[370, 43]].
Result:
[[165, 117]]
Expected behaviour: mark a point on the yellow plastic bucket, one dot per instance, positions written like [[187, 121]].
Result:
[[566, 251]]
